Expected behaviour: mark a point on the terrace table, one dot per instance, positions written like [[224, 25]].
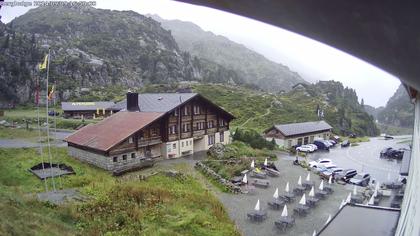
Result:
[[301, 210], [308, 184], [356, 199], [328, 189], [288, 197], [312, 201], [322, 194], [260, 183], [284, 221], [257, 215], [276, 204], [299, 189]]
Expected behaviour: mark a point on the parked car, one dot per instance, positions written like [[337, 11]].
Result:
[[332, 141], [314, 146], [345, 175], [361, 179], [320, 162], [353, 136], [53, 113], [392, 153], [329, 172], [345, 143], [305, 148], [324, 167], [336, 138], [385, 152], [322, 145], [388, 137]]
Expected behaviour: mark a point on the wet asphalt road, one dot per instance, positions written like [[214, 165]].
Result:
[[23, 143]]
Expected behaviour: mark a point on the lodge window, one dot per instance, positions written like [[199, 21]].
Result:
[[200, 125], [222, 123], [190, 142], [222, 137], [182, 144], [196, 110], [186, 110], [210, 124], [186, 128], [154, 131], [115, 159], [174, 146], [211, 139], [130, 140], [172, 129], [175, 112], [133, 155], [124, 157]]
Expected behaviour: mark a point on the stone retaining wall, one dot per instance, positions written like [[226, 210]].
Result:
[[215, 176]]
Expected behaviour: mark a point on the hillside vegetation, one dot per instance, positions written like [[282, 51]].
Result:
[[159, 205]]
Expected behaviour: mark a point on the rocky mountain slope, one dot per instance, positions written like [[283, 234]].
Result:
[[95, 48], [260, 110], [251, 66], [399, 111]]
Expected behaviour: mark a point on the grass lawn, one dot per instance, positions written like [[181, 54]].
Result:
[[159, 205]]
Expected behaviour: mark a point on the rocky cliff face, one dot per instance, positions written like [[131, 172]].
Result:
[[251, 66], [399, 111], [95, 48]]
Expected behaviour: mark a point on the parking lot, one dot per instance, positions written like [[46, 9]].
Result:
[[365, 157]]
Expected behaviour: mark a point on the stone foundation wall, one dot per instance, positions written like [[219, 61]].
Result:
[[101, 161]]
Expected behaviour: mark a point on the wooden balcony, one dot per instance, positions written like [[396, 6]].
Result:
[[150, 141]]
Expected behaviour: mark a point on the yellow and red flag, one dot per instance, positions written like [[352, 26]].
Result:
[[51, 93], [43, 65]]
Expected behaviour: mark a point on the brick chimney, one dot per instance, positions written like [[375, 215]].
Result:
[[133, 101]]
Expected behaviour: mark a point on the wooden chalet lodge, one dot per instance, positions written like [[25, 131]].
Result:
[[158, 126]]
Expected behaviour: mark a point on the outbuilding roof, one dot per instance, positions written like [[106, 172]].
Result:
[[157, 102], [112, 130], [302, 128], [86, 106]]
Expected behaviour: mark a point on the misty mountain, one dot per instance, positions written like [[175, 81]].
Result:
[[249, 65], [95, 48], [399, 111]]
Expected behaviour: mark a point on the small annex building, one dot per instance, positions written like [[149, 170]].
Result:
[[87, 110], [289, 135], [151, 126]]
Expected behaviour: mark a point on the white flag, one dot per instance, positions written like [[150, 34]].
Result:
[[355, 190], [308, 177], [330, 180], [287, 187], [303, 200], [245, 179], [265, 162], [312, 192], [252, 164], [321, 185], [300, 180], [328, 220], [257, 206], [284, 212], [276, 193], [348, 200]]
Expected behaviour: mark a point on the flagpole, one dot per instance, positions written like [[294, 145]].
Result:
[[39, 133], [55, 130], [48, 124]]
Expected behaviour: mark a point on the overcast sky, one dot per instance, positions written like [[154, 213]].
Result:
[[311, 59]]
